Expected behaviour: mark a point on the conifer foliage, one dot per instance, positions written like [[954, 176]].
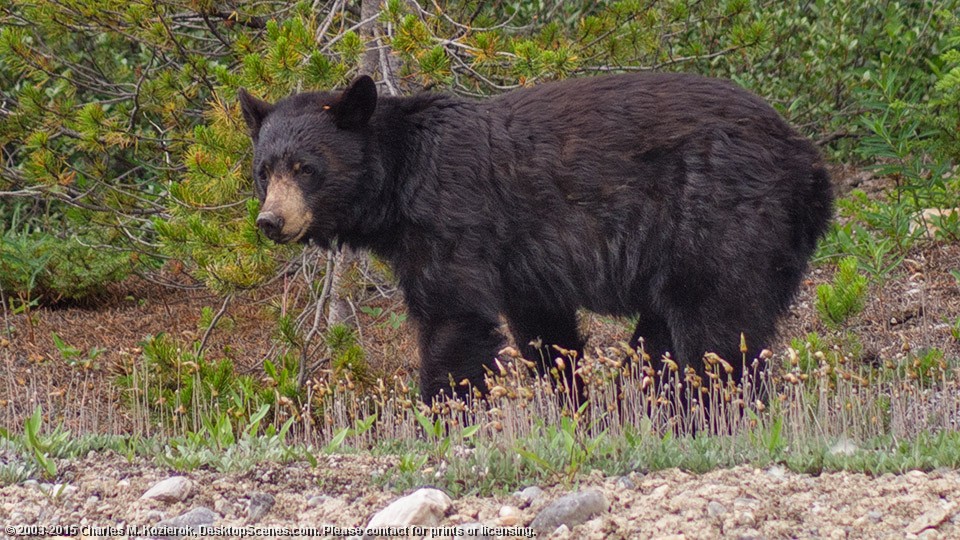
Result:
[[121, 143]]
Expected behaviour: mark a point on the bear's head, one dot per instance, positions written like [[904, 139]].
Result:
[[309, 160]]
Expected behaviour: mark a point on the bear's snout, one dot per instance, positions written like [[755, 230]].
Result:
[[271, 225], [284, 216]]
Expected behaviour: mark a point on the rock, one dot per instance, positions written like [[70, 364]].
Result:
[[929, 534], [660, 492], [224, 507], [509, 516], [624, 482], [58, 490], [870, 517], [200, 515], [843, 447], [153, 516], [929, 520], [915, 476], [530, 494], [715, 509], [173, 489], [776, 473], [746, 518], [570, 510], [193, 520], [260, 503], [316, 500], [424, 507], [472, 531]]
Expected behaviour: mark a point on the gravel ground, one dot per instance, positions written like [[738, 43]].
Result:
[[104, 490]]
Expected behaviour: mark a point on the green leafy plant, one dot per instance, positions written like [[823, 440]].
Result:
[[74, 356], [359, 428], [566, 451], [37, 447], [393, 320], [222, 445]]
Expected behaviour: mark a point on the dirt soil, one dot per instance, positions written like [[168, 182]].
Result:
[[104, 490], [912, 311]]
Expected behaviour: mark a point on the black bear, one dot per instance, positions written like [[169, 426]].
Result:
[[686, 201]]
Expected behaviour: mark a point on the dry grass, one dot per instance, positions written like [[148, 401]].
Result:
[[876, 378]]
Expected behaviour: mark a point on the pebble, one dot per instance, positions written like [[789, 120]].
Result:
[[776, 473], [58, 490], [193, 519], [529, 495], [173, 489], [223, 507], [260, 503], [660, 492], [931, 519], [316, 500], [570, 510], [508, 516], [624, 482], [153, 516], [873, 517], [715, 509], [916, 476]]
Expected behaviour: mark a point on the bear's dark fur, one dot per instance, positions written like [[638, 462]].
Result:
[[683, 200]]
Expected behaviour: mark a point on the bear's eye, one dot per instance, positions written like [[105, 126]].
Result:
[[307, 169]]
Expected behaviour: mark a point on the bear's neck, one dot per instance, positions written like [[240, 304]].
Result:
[[407, 146]]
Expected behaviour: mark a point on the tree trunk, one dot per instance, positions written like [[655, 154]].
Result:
[[339, 311]]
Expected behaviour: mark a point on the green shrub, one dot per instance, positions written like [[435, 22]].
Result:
[[845, 297], [36, 264]]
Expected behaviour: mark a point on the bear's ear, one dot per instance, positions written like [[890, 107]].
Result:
[[355, 106], [254, 111]]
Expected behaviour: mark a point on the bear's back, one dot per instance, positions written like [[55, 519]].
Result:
[[648, 105]]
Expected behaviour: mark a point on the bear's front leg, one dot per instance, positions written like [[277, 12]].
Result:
[[454, 348]]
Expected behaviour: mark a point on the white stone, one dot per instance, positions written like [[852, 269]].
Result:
[[509, 516], [424, 507], [173, 489]]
